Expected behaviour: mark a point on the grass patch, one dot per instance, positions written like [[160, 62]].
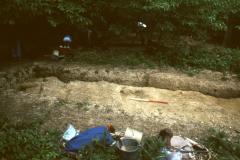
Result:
[[109, 109], [85, 109], [61, 102], [81, 104], [191, 73]]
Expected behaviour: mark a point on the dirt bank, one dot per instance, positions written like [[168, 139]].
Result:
[[205, 82]]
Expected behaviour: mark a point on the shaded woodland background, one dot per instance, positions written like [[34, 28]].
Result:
[[44, 23]]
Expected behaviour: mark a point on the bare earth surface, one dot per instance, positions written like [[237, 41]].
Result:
[[61, 93]]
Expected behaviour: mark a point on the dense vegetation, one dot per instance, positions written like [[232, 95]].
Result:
[[180, 56], [25, 140], [185, 17]]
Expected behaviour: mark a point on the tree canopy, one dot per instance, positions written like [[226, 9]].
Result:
[[168, 16]]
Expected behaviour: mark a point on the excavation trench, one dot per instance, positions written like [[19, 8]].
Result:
[[206, 82], [190, 100], [145, 78]]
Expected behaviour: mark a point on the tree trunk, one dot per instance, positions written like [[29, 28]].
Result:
[[228, 34]]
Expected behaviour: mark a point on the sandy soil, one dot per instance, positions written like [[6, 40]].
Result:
[[184, 106]]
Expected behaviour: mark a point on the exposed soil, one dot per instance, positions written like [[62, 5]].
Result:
[[55, 91]]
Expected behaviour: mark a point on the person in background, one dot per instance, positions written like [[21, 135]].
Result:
[[140, 29], [14, 41], [67, 40], [89, 33]]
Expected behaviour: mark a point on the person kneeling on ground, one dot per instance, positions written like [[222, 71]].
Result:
[[67, 40], [166, 134], [83, 138]]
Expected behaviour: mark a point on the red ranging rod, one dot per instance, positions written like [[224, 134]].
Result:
[[146, 100]]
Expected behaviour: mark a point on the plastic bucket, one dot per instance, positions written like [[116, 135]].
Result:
[[132, 133], [55, 52], [130, 152]]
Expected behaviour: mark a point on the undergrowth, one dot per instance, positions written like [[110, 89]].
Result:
[[25, 140], [222, 148], [100, 150], [152, 149], [178, 56]]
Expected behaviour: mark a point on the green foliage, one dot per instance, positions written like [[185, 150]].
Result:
[[222, 148], [54, 12], [109, 109], [86, 102], [81, 104], [198, 57], [191, 73], [213, 60], [132, 59], [173, 16], [25, 141], [85, 109], [179, 56], [61, 102], [100, 150], [152, 149], [72, 58]]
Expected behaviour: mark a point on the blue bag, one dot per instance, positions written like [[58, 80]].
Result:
[[78, 141]]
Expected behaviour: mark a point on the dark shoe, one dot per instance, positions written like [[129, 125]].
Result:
[[14, 59], [19, 59]]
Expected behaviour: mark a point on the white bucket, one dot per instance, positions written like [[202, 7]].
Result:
[[132, 133], [55, 52]]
